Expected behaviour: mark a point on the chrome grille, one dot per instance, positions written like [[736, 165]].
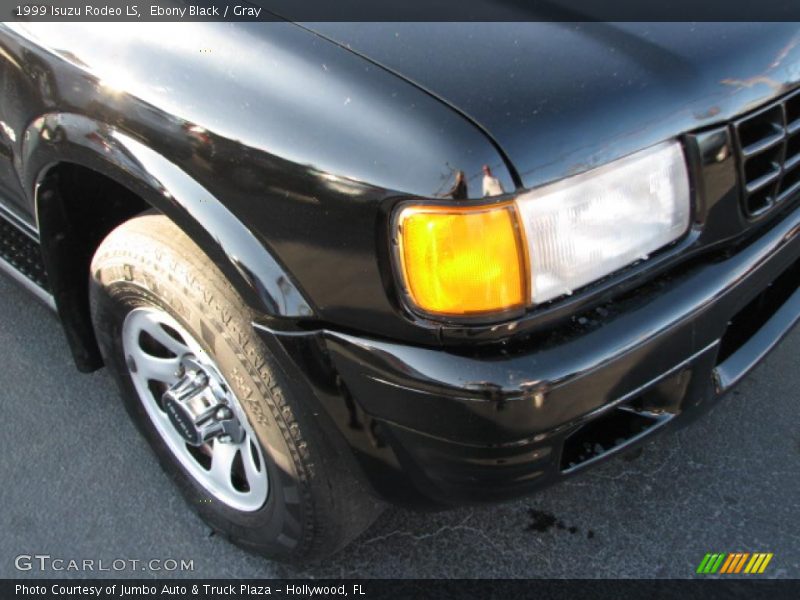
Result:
[[768, 144]]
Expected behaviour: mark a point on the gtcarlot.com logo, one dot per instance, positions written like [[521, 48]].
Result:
[[46, 562], [731, 563]]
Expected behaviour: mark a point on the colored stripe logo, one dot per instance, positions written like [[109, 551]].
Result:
[[734, 562]]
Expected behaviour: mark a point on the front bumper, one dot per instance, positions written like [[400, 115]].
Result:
[[466, 425]]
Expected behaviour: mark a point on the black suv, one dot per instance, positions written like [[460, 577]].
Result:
[[340, 264]]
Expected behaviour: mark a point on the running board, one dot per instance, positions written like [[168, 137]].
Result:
[[21, 259]]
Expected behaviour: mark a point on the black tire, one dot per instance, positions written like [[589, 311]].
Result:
[[316, 503]]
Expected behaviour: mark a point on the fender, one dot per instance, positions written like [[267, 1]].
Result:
[[310, 146], [58, 138]]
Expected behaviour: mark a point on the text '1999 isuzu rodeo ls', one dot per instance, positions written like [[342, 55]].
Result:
[[332, 265]]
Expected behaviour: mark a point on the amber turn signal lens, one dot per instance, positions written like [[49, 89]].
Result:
[[462, 260]]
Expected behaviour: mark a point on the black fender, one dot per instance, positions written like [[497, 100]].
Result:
[[57, 138], [305, 142]]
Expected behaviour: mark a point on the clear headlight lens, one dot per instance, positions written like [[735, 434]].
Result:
[[585, 227], [464, 260]]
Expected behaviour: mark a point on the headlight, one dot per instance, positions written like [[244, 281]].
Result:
[[479, 260], [585, 227]]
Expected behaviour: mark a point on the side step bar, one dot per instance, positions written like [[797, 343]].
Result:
[[21, 259]]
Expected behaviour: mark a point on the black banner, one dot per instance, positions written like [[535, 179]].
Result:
[[393, 10], [352, 589]]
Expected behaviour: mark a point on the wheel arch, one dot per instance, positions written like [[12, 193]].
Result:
[[56, 143]]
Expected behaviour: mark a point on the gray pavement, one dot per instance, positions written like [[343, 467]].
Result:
[[79, 482]]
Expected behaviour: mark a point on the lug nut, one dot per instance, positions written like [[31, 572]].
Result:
[[224, 413]]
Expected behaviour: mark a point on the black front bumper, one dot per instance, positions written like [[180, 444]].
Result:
[[453, 426]]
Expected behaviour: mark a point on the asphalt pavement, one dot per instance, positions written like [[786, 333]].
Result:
[[78, 482]]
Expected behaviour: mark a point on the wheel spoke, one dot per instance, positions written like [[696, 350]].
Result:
[[222, 456], [157, 369], [153, 327], [255, 477]]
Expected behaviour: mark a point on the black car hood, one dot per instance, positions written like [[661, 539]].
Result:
[[559, 98]]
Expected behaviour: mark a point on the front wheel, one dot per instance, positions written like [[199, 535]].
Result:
[[214, 405]]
